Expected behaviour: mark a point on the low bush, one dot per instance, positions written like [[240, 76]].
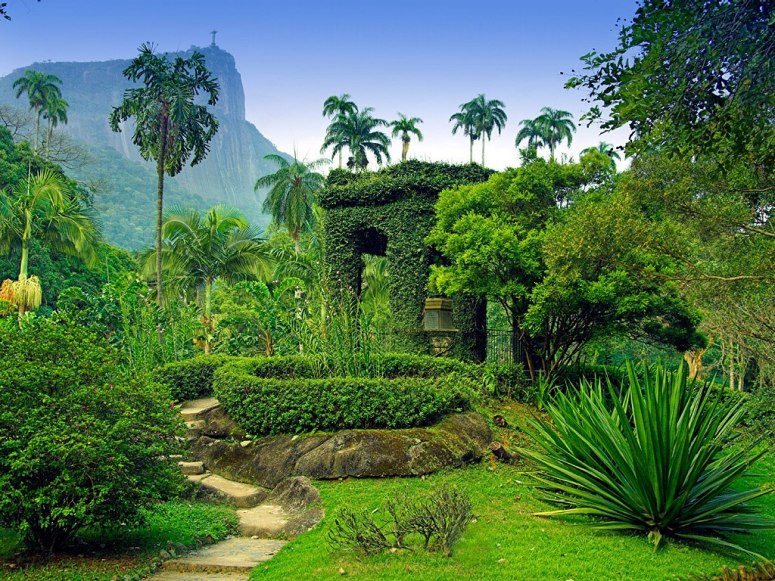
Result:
[[439, 518], [263, 405], [81, 445], [191, 378], [653, 460]]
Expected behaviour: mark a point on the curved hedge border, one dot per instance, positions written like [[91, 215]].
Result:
[[193, 378], [264, 405]]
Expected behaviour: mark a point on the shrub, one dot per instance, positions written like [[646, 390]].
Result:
[[439, 518], [654, 461], [81, 445], [192, 378], [271, 405]]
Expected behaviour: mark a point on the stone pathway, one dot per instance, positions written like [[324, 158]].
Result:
[[261, 523]]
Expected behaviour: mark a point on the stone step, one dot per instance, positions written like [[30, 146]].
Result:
[[235, 555], [241, 495], [194, 409], [192, 468], [180, 576], [265, 521]]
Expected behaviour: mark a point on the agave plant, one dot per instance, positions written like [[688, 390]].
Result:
[[654, 460]]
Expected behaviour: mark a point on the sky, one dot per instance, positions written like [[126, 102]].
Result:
[[422, 58]]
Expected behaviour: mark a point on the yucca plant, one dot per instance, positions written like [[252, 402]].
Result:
[[655, 459]]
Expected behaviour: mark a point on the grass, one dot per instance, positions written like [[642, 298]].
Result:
[[103, 555], [506, 541]]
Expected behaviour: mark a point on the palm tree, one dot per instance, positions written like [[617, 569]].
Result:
[[41, 88], [42, 206], [404, 126], [608, 150], [360, 134], [530, 132], [55, 113], [169, 125], [486, 115], [291, 199], [464, 120], [335, 106], [198, 249], [556, 126]]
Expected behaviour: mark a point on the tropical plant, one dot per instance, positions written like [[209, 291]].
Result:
[[403, 126], [607, 149], [464, 121], [486, 116], [293, 194], [556, 126], [530, 131], [169, 125], [55, 112], [335, 106], [42, 206], [41, 89], [654, 461], [198, 249], [360, 133]]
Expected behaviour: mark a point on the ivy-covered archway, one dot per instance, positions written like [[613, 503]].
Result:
[[390, 212]]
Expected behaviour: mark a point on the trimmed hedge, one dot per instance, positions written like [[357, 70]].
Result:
[[192, 378], [263, 405]]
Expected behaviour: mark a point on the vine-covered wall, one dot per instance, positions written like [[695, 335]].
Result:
[[390, 212]]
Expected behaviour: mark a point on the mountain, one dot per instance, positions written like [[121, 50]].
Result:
[[125, 200]]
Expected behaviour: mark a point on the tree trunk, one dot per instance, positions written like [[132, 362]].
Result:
[[694, 361], [470, 150], [482, 149], [208, 319], [25, 258], [37, 130], [340, 159], [404, 149], [296, 242], [160, 200]]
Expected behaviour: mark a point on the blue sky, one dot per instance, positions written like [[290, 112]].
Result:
[[422, 57]]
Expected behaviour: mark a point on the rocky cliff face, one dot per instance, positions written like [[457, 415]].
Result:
[[236, 153]]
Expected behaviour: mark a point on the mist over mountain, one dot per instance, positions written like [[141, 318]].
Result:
[[125, 199]]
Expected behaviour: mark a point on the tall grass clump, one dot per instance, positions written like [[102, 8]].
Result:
[[654, 459]]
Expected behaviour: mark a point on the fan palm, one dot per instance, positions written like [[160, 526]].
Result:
[[404, 126], [41, 89], [199, 249], [42, 206], [169, 125], [556, 126], [360, 133], [335, 106], [291, 199]]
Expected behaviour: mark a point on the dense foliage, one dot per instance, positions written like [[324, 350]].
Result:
[[655, 461], [552, 244], [389, 212], [82, 445], [274, 405]]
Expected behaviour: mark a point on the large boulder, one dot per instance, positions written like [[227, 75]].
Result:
[[456, 440]]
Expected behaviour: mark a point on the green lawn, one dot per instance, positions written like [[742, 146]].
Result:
[[505, 542], [96, 556]]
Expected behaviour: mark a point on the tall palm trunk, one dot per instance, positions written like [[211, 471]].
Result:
[[296, 240], [470, 150], [340, 159], [160, 197], [25, 259], [482, 137], [208, 318], [37, 130], [405, 148]]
